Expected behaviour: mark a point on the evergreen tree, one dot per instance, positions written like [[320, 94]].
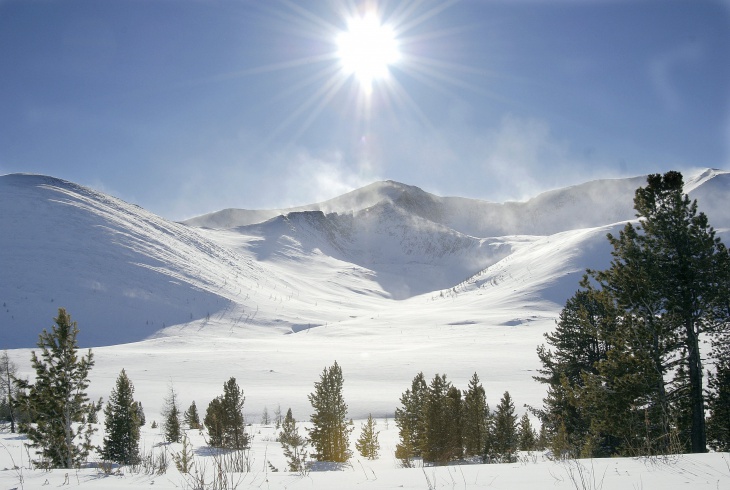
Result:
[[437, 444], [527, 437], [57, 400], [454, 407], [214, 422], [191, 417], [367, 444], [121, 439], [681, 270], [475, 418], [488, 454], [140, 413], [277, 417], [265, 419], [505, 429], [718, 424], [294, 445], [8, 389], [666, 289], [92, 416], [171, 417], [410, 420], [542, 439], [330, 432], [224, 418], [581, 339]]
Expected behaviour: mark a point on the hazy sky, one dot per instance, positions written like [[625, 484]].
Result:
[[186, 107]]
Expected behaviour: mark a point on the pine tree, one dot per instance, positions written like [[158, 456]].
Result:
[[673, 273], [184, 459], [505, 429], [454, 407], [121, 439], [410, 421], [265, 419], [57, 400], [718, 424], [191, 417], [527, 437], [294, 445], [171, 415], [367, 444], [277, 417], [437, 446], [475, 418], [580, 341], [8, 389], [224, 418], [140, 413], [330, 432]]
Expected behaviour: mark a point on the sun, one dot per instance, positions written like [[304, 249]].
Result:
[[367, 49]]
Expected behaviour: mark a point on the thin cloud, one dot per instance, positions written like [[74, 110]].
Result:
[[663, 70]]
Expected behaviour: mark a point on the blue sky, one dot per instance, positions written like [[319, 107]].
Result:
[[186, 107]]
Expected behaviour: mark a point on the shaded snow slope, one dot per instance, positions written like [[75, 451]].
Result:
[[122, 272]]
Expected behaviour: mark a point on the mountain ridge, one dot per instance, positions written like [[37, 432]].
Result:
[[131, 275]]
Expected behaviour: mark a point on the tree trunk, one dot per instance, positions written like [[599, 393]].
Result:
[[698, 435]]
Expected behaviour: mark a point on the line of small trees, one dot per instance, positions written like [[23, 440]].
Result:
[[437, 424], [57, 415]]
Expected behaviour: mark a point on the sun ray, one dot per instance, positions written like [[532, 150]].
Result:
[[365, 57]]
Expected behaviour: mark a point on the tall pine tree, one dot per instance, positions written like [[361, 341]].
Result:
[[437, 445], [475, 418], [57, 400], [121, 427], [410, 420], [224, 418], [664, 294], [505, 429], [330, 432]]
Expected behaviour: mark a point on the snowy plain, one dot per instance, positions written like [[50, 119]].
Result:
[[387, 280]]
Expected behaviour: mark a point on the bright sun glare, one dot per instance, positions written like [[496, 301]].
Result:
[[366, 50]]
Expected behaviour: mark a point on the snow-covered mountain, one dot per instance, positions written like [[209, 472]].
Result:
[[126, 274]]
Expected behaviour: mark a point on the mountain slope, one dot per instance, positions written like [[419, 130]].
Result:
[[122, 272], [126, 274]]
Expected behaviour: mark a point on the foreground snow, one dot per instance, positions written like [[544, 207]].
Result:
[[533, 471]]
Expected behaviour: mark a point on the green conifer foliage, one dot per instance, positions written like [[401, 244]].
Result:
[[330, 432], [718, 424], [293, 444], [8, 390], [224, 418], [121, 439], [171, 415], [475, 418], [505, 429], [367, 444], [665, 292], [191, 417], [57, 400], [410, 421], [437, 445], [527, 437], [140, 413]]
